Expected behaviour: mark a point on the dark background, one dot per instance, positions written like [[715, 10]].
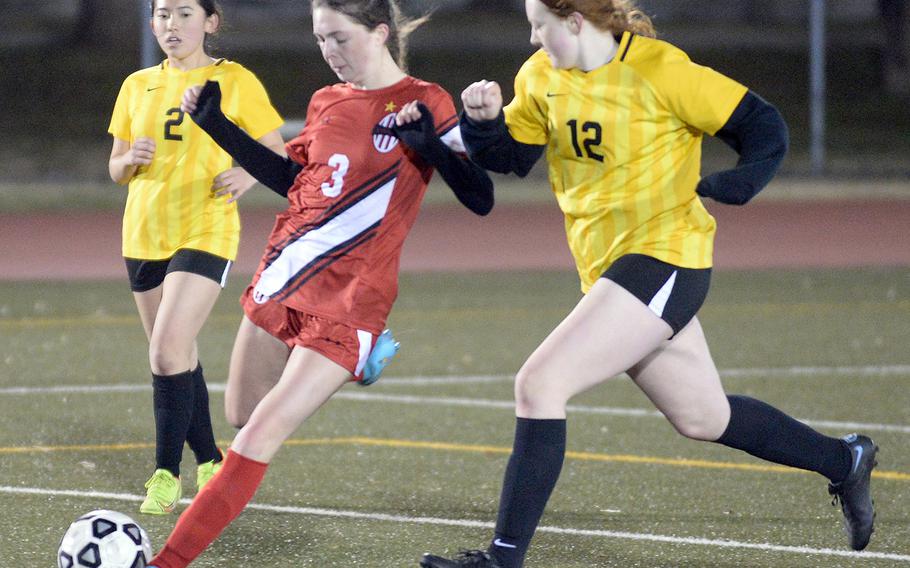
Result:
[[62, 63]]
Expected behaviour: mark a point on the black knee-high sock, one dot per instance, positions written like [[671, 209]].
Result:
[[537, 456], [767, 433], [173, 396], [200, 436]]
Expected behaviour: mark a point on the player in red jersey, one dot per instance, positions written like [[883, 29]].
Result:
[[354, 180]]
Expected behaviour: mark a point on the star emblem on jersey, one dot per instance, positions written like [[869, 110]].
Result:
[[384, 140], [390, 106]]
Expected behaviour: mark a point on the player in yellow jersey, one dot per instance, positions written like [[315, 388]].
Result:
[[181, 228], [621, 116]]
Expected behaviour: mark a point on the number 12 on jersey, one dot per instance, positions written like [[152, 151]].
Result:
[[593, 139]]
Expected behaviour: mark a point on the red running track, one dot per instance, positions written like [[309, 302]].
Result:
[[764, 234]]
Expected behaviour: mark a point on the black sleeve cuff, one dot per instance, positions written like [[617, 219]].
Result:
[[757, 131], [490, 144]]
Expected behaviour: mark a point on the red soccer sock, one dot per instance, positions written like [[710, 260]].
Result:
[[213, 509]]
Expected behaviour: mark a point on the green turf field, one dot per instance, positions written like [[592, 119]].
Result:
[[414, 463]]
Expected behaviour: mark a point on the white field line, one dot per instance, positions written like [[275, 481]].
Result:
[[447, 380], [748, 372], [373, 396], [796, 372], [319, 512], [601, 410]]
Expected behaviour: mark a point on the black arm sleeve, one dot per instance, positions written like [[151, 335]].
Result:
[[490, 145], [468, 181], [758, 133], [270, 169]]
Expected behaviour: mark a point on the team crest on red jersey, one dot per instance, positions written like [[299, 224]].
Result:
[[259, 297], [384, 140]]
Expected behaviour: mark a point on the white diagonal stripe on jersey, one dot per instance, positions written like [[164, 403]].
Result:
[[312, 244]]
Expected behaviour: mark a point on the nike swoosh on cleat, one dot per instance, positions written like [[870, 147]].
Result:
[[858, 450], [502, 544]]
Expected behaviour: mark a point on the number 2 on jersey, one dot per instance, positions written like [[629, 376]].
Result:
[[340, 163], [176, 121]]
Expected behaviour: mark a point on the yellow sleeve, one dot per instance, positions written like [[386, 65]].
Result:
[[256, 114], [526, 115], [120, 119], [700, 96]]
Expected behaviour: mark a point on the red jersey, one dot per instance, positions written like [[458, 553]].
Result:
[[335, 251]]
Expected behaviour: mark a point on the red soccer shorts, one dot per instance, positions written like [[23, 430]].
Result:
[[343, 344]]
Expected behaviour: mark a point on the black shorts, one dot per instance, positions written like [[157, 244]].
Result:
[[673, 293], [146, 275]]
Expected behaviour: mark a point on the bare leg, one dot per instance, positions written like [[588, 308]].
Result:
[[257, 362], [308, 381], [186, 301], [172, 315], [682, 381], [147, 303], [609, 331]]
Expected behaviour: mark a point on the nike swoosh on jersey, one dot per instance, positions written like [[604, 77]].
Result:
[[151, 89]]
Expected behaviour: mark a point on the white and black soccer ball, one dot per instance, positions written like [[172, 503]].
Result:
[[104, 539]]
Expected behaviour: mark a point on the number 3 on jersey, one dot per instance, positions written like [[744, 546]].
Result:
[[340, 163]]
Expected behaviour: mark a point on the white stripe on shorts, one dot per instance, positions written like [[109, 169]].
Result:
[[366, 345], [659, 301], [227, 268]]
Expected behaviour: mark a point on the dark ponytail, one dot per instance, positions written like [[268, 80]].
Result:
[[210, 7], [371, 13]]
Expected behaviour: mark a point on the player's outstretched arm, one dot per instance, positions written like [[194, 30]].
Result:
[[486, 136], [758, 133], [271, 170], [472, 186]]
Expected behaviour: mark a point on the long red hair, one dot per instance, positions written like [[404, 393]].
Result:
[[614, 16]]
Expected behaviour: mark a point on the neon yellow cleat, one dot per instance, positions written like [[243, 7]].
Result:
[[162, 493], [206, 471]]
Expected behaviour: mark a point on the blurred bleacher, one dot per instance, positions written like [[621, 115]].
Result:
[[743, 23], [91, 45]]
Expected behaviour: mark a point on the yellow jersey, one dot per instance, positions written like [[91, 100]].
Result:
[[623, 145], [170, 204]]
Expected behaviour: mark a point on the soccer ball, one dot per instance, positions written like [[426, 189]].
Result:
[[104, 539]]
